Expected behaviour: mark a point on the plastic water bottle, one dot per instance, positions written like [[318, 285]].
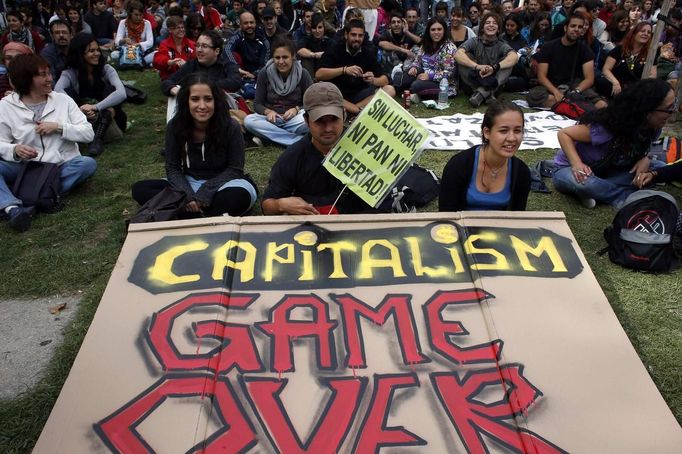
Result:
[[443, 93]]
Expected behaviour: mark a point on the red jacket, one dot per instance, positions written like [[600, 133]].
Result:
[[211, 17], [37, 40], [167, 51]]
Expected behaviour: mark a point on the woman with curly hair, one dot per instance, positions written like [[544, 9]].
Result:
[[485, 62], [204, 154], [602, 156], [625, 63]]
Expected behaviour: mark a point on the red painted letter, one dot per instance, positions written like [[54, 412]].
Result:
[[331, 429], [237, 348], [397, 305], [441, 330], [282, 330], [472, 417], [372, 433], [118, 430]]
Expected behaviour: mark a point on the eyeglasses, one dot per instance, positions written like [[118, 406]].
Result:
[[204, 46], [670, 110]]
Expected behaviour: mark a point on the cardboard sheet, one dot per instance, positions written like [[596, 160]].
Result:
[[429, 333]]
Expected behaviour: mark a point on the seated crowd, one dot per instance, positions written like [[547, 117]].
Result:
[[309, 68]]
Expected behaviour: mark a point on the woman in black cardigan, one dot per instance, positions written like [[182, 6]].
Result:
[[489, 176], [204, 154]]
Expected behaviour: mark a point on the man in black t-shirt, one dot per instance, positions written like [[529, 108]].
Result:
[[353, 67], [298, 182], [102, 23], [564, 65], [395, 44]]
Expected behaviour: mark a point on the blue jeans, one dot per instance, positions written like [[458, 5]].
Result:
[[73, 173], [612, 189], [284, 133], [236, 183]]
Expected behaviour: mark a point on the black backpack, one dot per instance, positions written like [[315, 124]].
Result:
[[642, 232], [417, 187], [38, 185]]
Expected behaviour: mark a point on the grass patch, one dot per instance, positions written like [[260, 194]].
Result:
[[76, 249]]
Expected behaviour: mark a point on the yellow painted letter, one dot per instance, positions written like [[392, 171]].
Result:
[[500, 260], [336, 249], [367, 263], [221, 260], [544, 245], [271, 257], [163, 266]]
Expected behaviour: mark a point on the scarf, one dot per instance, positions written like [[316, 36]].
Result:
[[24, 36], [279, 86], [135, 30]]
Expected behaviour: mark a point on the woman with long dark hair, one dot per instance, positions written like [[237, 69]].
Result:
[[433, 62], [616, 29], [459, 32], [489, 176], [76, 22], [600, 158], [539, 31], [204, 154], [625, 63], [96, 88]]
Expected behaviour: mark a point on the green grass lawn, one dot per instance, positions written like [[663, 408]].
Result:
[[75, 250]]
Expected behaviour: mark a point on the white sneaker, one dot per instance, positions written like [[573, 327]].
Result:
[[415, 99]]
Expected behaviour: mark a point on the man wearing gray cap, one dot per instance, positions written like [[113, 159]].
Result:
[[298, 182]]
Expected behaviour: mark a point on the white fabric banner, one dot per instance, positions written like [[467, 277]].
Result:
[[459, 131]]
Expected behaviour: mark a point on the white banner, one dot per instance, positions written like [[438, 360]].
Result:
[[459, 131]]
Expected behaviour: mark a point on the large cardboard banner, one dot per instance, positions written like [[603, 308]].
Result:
[[460, 131], [428, 333]]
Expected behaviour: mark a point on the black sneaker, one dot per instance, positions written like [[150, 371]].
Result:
[[19, 218]]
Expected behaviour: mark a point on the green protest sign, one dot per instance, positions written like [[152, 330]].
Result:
[[377, 149]]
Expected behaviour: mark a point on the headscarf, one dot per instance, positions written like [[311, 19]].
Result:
[[23, 49]]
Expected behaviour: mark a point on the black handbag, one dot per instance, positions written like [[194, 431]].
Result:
[[164, 206], [37, 185], [135, 95]]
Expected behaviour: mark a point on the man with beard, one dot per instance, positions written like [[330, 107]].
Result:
[[564, 65], [354, 69], [251, 46], [298, 184], [55, 52], [531, 10], [305, 27], [415, 29], [395, 43], [270, 25]]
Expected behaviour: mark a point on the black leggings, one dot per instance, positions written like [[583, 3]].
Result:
[[233, 201]]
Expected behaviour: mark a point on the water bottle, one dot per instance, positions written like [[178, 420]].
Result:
[[443, 93]]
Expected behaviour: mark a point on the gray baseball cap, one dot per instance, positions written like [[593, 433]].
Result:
[[323, 98]]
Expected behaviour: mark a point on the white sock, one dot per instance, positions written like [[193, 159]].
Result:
[[10, 208]]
